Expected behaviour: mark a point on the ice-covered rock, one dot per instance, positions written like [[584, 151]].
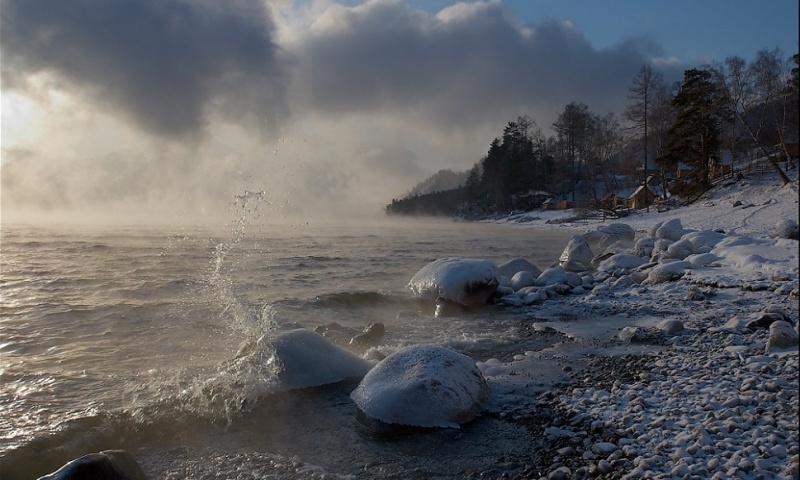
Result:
[[624, 261], [512, 267], [660, 247], [108, 464], [552, 276], [680, 249], [666, 272], [620, 235], [702, 259], [577, 250], [781, 336], [670, 230], [423, 386], [670, 326], [644, 247], [307, 359], [522, 279], [786, 228], [703, 238], [465, 281]]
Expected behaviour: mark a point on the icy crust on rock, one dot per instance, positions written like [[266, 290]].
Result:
[[423, 386], [306, 359], [466, 281]]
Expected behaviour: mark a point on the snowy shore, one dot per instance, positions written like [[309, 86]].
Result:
[[676, 378]]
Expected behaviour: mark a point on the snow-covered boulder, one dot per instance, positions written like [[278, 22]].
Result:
[[307, 359], [624, 261], [660, 247], [522, 279], [666, 272], [552, 276], [671, 230], [702, 259], [644, 247], [781, 336], [465, 281], [513, 266], [577, 250], [786, 228], [618, 235], [680, 249], [703, 239], [423, 386]]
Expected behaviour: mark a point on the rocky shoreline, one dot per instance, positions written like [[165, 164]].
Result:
[[690, 411]]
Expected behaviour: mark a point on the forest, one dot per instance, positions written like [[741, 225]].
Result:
[[676, 139]]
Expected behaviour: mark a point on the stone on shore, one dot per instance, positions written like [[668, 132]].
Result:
[[781, 336], [423, 386], [106, 465]]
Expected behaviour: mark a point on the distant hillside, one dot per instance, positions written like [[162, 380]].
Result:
[[438, 182]]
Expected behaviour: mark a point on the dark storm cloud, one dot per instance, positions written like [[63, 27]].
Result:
[[161, 64], [456, 66]]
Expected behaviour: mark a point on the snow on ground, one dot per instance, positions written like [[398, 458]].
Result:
[[762, 202], [717, 394]]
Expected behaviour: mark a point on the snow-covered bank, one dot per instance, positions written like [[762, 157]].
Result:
[[751, 206], [714, 395]]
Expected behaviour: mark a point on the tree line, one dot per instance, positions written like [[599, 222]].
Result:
[[675, 133]]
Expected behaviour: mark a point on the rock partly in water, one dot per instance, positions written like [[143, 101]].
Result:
[[370, 336], [464, 281], [306, 359], [423, 386], [106, 465]]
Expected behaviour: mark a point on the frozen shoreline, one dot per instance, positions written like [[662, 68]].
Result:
[[711, 402]]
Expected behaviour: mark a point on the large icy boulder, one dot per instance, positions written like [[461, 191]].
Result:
[[423, 386], [465, 281], [614, 236], [670, 230], [577, 250], [307, 359]]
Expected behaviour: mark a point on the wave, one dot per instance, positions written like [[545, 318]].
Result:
[[162, 408], [361, 298]]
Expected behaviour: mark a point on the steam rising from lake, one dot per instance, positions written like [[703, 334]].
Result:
[[330, 110]]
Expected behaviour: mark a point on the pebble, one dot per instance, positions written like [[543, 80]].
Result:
[[717, 408]]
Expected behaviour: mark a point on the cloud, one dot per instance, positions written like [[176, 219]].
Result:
[[162, 65], [325, 107], [456, 69]]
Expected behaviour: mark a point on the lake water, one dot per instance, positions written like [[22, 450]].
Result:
[[140, 338]]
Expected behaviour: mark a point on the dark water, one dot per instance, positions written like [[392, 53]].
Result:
[[133, 338]]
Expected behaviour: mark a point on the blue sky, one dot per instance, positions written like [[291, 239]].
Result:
[[327, 104], [690, 30]]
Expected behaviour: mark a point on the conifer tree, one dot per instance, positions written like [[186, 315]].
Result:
[[695, 136]]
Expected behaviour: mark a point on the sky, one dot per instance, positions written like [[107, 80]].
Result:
[[140, 110]]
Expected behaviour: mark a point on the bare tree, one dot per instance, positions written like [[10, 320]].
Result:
[[605, 144], [642, 93], [758, 100]]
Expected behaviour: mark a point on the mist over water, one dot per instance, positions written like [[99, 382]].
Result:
[[151, 338]]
